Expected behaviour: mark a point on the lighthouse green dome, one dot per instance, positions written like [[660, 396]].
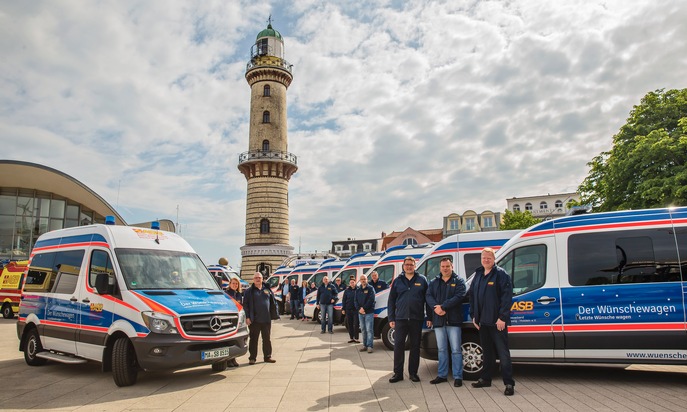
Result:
[[269, 32]]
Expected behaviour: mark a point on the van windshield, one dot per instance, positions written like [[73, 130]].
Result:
[[273, 281], [163, 269]]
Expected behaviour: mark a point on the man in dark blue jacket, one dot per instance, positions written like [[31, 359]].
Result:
[[445, 296], [491, 297], [327, 295], [406, 314], [348, 310], [365, 306], [257, 302], [294, 298], [377, 284]]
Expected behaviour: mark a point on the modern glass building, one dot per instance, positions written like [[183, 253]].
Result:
[[35, 199]]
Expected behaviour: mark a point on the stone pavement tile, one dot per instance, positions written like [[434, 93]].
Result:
[[361, 390], [310, 375], [304, 405], [206, 407], [261, 397], [352, 380]]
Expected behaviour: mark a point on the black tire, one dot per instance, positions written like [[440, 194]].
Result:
[[316, 316], [32, 347], [473, 356], [388, 336], [219, 366], [7, 311], [124, 365]]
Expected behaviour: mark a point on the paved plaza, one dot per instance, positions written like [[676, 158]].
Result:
[[317, 372]]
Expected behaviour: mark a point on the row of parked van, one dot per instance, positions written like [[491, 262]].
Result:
[[606, 287], [598, 287], [462, 248]]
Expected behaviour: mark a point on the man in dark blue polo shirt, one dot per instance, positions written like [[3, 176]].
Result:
[[256, 302], [406, 314]]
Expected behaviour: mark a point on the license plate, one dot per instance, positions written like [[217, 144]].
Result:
[[214, 354]]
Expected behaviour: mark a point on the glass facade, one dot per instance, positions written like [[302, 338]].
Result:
[[27, 214]]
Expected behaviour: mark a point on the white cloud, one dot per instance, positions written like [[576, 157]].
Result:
[[399, 112]]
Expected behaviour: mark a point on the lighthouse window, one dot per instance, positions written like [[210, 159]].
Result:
[[265, 116], [264, 226], [265, 145], [266, 91], [262, 47]]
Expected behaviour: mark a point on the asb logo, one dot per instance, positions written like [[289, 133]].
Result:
[[524, 305]]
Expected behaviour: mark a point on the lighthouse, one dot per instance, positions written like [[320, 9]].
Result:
[[267, 165]]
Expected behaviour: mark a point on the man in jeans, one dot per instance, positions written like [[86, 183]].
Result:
[[365, 305], [327, 295], [294, 298], [445, 297]]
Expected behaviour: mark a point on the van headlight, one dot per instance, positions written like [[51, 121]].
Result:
[[242, 317], [159, 323]]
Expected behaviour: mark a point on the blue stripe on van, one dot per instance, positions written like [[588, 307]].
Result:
[[61, 241]]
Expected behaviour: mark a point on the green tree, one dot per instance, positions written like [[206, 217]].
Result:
[[647, 165], [518, 220]]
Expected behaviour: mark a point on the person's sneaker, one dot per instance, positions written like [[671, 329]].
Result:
[[251, 361], [363, 349], [481, 383], [331, 331], [458, 383], [369, 350], [270, 360], [437, 380], [509, 390], [351, 341], [415, 378], [321, 332]]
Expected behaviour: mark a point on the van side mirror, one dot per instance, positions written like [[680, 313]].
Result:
[[102, 284]]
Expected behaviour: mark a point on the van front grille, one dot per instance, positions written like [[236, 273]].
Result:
[[211, 324]]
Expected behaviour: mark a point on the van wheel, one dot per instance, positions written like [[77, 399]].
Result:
[[388, 336], [124, 366], [7, 311], [32, 347], [316, 316], [219, 366], [473, 357]]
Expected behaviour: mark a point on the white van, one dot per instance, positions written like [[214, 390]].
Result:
[[355, 266], [601, 287], [301, 272], [127, 297], [329, 268]]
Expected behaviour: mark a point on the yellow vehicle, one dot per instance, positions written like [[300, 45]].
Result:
[[10, 287]]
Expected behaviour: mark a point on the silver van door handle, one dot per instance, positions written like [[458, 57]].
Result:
[[545, 300]]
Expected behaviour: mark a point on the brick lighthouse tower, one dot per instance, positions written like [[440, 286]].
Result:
[[267, 165]]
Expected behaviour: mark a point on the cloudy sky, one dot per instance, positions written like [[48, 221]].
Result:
[[400, 112]]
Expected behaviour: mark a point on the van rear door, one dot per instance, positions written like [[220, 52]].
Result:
[[62, 312]]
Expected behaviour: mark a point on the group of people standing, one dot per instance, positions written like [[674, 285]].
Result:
[[411, 298], [490, 294]]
